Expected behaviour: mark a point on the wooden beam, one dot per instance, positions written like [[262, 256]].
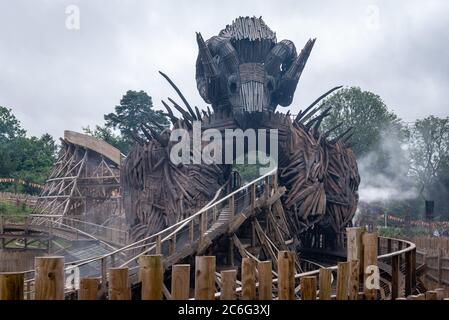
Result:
[[286, 280], [308, 288], [204, 277], [118, 284], [342, 280], [152, 275], [89, 288], [49, 278], [228, 284], [265, 280], [248, 279], [11, 285]]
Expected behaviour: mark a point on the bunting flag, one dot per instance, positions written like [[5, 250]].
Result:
[[22, 182]]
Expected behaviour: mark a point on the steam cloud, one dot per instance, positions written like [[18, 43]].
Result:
[[384, 172]]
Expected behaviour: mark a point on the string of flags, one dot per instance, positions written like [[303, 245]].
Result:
[[22, 182], [419, 223]]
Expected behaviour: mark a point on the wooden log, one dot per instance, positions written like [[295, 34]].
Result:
[[353, 285], [89, 288], [286, 273], [118, 284], [180, 281], [394, 277], [248, 279], [204, 277], [151, 273], [158, 244], [325, 280], [342, 280], [49, 278], [308, 288], [228, 284], [370, 262], [355, 245], [11, 285], [265, 280]]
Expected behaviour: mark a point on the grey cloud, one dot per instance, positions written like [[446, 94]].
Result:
[[56, 79]]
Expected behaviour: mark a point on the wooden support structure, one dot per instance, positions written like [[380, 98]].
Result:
[[11, 285], [342, 281], [408, 273], [264, 269], [286, 271], [158, 244], [353, 285], [248, 279], [370, 265], [89, 289], [204, 277], [49, 278], [152, 276], [228, 284], [308, 288], [325, 280], [118, 284], [180, 282]]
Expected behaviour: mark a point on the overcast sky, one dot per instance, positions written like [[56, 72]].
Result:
[[55, 78]]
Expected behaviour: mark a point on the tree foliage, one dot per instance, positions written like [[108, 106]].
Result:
[[135, 110], [22, 157], [365, 112]]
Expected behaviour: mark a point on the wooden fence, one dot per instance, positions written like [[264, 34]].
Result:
[[257, 279], [18, 198]]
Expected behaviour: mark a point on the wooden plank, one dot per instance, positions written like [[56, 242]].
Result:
[[248, 279], [355, 245], [286, 274], [308, 288], [204, 277], [49, 278], [180, 282], [152, 275], [228, 284], [325, 280], [265, 280]]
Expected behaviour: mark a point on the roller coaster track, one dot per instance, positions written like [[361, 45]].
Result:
[[226, 213]]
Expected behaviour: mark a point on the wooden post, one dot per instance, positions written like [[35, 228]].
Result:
[[88, 288], [267, 187], [325, 279], [202, 227], [431, 295], [11, 285], [172, 245], [308, 288], [413, 275], [265, 280], [394, 277], [389, 245], [355, 245], [248, 279], [152, 276], [228, 284], [231, 207], [353, 293], [49, 278], [158, 244], [180, 282], [440, 266], [103, 274], [191, 231], [286, 273], [342, 281], [441, 293], [370, 264], [253, 196], [408, 273], [204, 277], [118, 284]]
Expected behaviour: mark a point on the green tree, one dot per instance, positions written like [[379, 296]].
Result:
[[429, 150], [366, 113], [135, 110], [9, 125]]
